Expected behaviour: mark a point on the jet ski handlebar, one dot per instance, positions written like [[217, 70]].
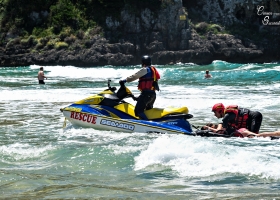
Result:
[[113, 89], [123, 91], [133, 97]]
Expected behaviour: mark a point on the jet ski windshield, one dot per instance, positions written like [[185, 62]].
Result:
[[111, 96]]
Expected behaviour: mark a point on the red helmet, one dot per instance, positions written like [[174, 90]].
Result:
[[218, 107]]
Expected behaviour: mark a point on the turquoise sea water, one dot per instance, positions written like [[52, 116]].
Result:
[[41, 160]]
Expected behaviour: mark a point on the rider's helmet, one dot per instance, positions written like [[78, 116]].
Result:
[[146, 60], [218, 107]]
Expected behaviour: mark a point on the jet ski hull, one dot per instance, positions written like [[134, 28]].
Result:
[[108, 111], [101, 118]]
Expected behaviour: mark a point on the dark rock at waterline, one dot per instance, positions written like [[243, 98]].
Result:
[[201, 51]]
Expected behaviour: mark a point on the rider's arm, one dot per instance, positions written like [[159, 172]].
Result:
[[222, 126], [228, 118], [216, 130], [143, 71]]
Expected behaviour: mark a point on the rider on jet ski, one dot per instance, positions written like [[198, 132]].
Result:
[[148, 77]]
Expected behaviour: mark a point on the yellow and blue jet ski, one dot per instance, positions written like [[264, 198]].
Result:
[[108, 111]]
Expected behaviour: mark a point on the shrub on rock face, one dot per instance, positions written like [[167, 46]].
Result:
[[69, 40], [24, 42], [66, 32], [39, 46], [201, 27], [41, 32], [215, 28], [62, 36], [94, 31], [30, 41], [13, 42], [50, 44], [81, 34], [10, 43], [44, 40], [61, 45]]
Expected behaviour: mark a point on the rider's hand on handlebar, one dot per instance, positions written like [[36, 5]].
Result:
[[122, 81], [134, 98]]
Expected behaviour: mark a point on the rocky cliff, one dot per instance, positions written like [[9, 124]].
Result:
[[197, 31]]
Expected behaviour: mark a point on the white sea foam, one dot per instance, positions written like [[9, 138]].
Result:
[[196, 157], [20, 151]]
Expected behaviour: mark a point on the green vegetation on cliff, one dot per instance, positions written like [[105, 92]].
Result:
[[61, 18]]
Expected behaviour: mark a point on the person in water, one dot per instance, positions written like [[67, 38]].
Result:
[[246, 133], [148, 83], [41, 76], [242, 132], [235, 118], [207, 75]]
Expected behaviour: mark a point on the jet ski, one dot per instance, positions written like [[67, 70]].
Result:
[[108, 110]]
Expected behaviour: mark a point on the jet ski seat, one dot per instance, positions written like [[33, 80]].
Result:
[[154, 113]]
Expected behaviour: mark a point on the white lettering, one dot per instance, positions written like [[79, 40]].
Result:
[[265, 21], [260, 10], [116, 124]]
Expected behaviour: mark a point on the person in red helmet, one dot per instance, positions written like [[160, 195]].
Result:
[[235, 118]]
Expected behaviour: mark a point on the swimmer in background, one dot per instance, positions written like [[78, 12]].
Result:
[[207, 75]]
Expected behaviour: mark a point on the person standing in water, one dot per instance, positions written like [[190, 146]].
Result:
[[207, 75], [41, 76]]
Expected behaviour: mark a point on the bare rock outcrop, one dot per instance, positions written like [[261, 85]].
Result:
[[168, 36]]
